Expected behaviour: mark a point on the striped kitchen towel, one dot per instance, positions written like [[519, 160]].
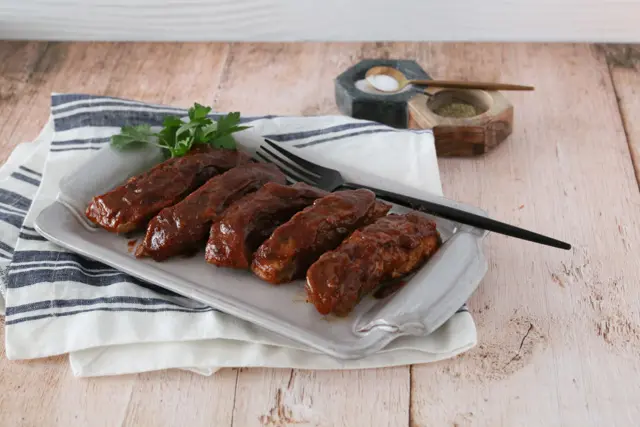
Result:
[[110, 323]]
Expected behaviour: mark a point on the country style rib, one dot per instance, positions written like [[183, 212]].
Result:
[[296, 244], [182, 227], [391, 247], [130, 206], [251, 220]]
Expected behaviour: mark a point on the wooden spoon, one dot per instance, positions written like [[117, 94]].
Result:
[[388, 79]]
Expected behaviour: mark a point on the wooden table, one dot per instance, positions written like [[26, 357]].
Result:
[[559, 332]]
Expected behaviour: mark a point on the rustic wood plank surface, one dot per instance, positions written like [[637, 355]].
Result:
[[554, 328], [46, 393], [559, 333], [624, 64]]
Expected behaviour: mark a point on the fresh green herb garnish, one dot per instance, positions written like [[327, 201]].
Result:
[[179, 137], [132, 135]]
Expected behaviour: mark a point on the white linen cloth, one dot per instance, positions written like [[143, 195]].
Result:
[[58, 302]]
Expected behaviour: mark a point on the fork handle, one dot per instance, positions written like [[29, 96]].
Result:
[[463, 217]]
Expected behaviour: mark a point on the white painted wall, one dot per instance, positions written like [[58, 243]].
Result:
[[349, 20]]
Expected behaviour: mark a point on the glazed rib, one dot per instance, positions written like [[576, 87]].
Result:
[[296, 244], [131, 205], [251, 220], [182, 227], [390, 248]]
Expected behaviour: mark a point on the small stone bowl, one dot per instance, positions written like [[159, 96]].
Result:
[[355, 98]]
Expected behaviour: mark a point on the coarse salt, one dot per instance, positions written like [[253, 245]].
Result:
[[384, 83]]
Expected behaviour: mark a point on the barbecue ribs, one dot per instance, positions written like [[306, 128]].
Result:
[[182, 227], [390, 248], [251, 220], [296, 244], [131, 205]]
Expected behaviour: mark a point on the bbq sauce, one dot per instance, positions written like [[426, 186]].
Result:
[[388, 289], [131, 244]]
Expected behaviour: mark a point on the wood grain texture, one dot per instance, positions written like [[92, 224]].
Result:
[[281, 397], [329, 20], [464, 136], [283, 78], [29, 72], [44, 392], [624, 65], [559, 332], [257, 76], [20, 63]]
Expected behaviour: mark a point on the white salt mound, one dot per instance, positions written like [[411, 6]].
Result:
[[384, 83]]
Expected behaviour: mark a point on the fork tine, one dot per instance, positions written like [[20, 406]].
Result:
[[291, 176], [291, 165], [312, 167], [263, 158]]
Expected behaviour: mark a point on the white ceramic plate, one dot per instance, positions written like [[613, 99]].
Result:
[[429, 298]]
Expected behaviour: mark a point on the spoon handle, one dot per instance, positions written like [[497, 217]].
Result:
[[469, 85]]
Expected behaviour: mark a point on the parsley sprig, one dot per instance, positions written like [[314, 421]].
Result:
[[179, 137]]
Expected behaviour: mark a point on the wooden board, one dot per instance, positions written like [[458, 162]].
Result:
[[39, 393], [286, 396], [559, 332], [329, 20], [624, 64]]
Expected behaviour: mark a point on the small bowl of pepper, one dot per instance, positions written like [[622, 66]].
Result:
[[465, 122]]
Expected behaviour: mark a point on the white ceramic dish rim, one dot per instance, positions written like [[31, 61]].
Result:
[[416, 309]]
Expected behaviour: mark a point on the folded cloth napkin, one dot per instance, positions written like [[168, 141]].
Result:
[[110, 323]]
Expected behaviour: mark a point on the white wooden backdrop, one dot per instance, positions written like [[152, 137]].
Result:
[[325, 20]]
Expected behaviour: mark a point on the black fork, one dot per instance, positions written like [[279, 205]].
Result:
[[299, 169]]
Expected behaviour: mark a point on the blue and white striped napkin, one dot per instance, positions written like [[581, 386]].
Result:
[[58, 302]]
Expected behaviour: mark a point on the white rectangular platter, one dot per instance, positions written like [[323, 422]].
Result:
[[430, 297]]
